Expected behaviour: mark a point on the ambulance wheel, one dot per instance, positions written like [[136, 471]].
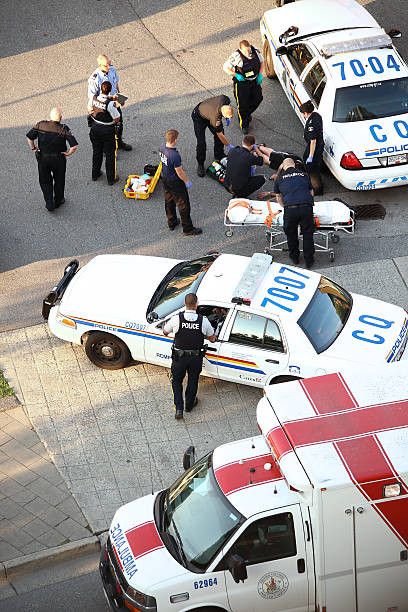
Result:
[[228, 233], [335, 238], [269, 67], [284, 378], [331, 256], [107, 351]]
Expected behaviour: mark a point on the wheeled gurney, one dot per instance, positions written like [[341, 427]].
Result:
[[331, 217]]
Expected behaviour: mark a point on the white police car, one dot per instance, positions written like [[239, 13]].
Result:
[[334, 53], [273, 322]]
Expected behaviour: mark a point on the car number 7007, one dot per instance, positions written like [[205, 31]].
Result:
[[284, 294]]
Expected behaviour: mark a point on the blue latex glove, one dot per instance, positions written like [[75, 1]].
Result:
[[230, 146], [239, 77], [228, 121], [188, 184], [259, 78], [252, 170], [309, 160], [254, 147]]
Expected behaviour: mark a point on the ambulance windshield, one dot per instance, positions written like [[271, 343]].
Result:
[[371, 101], [326, 314], [197, 516]]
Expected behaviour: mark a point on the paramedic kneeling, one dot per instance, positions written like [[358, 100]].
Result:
[[190, 329], [295, 193]]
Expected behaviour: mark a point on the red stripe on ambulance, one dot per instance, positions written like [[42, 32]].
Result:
[[236, 476], [143, 539]]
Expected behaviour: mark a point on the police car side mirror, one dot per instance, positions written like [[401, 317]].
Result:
[[152, 317], [395, 33], [237, 567], [189, 458], [281, 51]]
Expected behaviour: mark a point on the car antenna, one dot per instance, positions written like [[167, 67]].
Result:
[[150, 468], [251, 471]]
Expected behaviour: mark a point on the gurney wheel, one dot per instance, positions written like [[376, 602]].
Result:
[[331, 256], [335, 238], [228, 233]]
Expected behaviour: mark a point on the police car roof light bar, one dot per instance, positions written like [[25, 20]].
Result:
[[357, 44], [251, 278]]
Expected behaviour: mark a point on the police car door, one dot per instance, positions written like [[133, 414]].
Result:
[[274, 549], [312, 85], [253, 348], [296, 60]]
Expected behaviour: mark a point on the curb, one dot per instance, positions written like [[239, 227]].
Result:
[[71, 550], [9, 401]]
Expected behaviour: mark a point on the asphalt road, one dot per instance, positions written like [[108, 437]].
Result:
[[169, 56]]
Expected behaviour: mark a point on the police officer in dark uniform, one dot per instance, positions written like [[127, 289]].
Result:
[[176, 184], [245, 65], [102, 134], [294, 192], [190, 329], [51, 153], [239, 176], [209, 114], [313, 134]]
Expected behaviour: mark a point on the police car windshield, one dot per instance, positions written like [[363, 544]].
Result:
[[326, 314], [198, 515], [371, 101], [182, 279]]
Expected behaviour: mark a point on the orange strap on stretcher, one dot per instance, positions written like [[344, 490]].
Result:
[[271, 216], [241, 203]]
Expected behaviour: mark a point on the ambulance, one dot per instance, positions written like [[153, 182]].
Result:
[[334, 53], [311, 515]]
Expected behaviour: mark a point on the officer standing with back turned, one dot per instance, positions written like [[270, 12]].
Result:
[[190, 329], [102, 134]]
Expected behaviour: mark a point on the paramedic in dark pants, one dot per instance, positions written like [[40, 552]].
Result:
[[102, 134], [175, 184], [239, 176], [190, 329], [209, 114], [245, 65], [313, 134], [52, 156], [295, 193]]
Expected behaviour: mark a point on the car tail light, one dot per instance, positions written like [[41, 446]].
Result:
[[350, 162]]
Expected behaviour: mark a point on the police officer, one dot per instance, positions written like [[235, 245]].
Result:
[[209, 114], [189, 329], [313, 134], [245, 65], [51, 153], [102, 134], [106, 72], [294, 192], [175, 184], [239, 176]]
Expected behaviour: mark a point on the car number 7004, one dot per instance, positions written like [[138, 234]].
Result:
[[374, 63], [284, 294]]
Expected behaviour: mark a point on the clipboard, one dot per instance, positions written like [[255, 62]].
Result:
[[121, 98]]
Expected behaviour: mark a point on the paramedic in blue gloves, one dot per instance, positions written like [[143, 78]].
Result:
[[246, 66], [313, 134]]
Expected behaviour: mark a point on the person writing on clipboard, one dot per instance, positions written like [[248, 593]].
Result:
[[106, 72]]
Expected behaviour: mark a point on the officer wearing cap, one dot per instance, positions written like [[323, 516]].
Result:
[[294, 192], [245, 65], [102, 134], [313, 134], [189, 329], [209, 114], [51, 153], [106, 72]]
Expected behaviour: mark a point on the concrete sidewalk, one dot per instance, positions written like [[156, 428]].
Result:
[[112, 434]]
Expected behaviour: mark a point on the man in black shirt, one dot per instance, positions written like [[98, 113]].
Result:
[[51, 153], [209, 114], [313, 154], [239, 177], [103, 118], [294, 192]]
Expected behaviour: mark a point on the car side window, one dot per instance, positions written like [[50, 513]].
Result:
[[315, 82], [267, 539], [254, 330], [215, 314], [299, 57]]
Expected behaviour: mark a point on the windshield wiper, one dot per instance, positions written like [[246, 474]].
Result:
[[179, 544]]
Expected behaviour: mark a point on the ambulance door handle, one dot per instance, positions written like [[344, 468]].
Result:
[[301, 566], [210, 348], [308, 531], [272, 361]]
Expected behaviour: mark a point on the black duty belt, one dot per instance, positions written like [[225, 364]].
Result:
[[189, 353], [296, 205]]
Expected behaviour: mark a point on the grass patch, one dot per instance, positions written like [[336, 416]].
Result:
[[5, 388]]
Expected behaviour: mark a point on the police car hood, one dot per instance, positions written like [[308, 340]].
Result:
[[358, 137], [114, 288], [373, 332], [138, 547]]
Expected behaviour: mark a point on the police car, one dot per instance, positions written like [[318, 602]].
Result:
[[334, 53], [273, 322]]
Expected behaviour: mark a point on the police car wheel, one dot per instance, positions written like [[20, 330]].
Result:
[[269, 67], [107, 351]]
